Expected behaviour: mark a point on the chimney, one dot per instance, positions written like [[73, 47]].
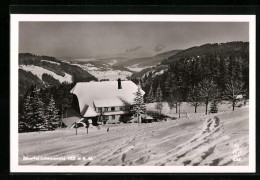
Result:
[[119, 83]]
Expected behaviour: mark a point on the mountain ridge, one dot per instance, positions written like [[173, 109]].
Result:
[[147, 61]]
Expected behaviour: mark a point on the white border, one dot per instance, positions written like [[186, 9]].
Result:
[[14, 26]]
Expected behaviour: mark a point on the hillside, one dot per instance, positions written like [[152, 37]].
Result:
[[223, 49], [45, 71], [152, 71], [147, 61], [221, 63]]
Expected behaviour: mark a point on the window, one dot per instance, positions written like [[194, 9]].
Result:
[[112, 108], [122, 108], [106, 109], [99, 109], [113, 117]]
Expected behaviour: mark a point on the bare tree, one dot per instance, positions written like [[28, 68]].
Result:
[[172, 103], [175, 99], [159, 107], [208, 91], [178, 97], [194, 97], [158, 98], [233, 89]]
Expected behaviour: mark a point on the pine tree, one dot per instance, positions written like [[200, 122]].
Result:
[[38, 114], [150, 96], [139, 106], [32, 116], [25, 115], [158, 94], [52, 118], [214, 107]]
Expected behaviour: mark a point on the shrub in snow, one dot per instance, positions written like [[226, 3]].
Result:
[[214, 107]]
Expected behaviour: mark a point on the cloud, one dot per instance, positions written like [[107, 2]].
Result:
[[159, 47], [133, 49]]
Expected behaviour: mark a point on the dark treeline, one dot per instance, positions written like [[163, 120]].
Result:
[[212, 75]]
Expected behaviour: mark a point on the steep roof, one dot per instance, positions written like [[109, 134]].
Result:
[[104, 94], [90, 112], [110, 102]]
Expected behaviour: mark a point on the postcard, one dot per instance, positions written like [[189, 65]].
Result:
[[132, 93]]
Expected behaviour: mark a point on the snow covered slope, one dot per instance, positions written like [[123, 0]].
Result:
[[39, 71], [205, 140]]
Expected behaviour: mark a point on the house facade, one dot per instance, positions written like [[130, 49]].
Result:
[[106, 101]]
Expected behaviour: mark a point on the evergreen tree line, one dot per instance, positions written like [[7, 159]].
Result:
[[202, 79], [42, 109]]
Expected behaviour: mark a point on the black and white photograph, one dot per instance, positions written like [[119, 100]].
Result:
[[132, 93]]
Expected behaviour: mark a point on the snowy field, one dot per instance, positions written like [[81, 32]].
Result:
[[39, 71], [188, 110], [137, 68], [199, 140], [104, 73], [111, 74], [50, 62]]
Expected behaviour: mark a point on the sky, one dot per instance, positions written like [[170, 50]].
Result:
[[123, 39]]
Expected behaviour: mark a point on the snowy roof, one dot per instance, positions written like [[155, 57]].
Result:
[[71, 120], [110, 102], [90, 112], [105, 93]]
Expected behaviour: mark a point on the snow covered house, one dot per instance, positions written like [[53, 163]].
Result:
[[109, 100]]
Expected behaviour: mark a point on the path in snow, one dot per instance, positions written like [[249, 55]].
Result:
[[204, 140]]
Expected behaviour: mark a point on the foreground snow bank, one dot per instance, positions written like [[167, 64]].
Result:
[[194, 141]]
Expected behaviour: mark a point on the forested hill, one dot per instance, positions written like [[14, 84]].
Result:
[[147, 61], [220, 49], [46, 71], [217, 66]]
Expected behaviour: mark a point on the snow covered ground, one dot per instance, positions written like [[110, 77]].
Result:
[[111, 74], [137, 68], [104, 73], [87, 67], [188, 110], [39, 71], [199, 140], [50, 62]]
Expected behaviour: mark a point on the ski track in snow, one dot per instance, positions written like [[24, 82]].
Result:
[[198, 141], [39, 71]]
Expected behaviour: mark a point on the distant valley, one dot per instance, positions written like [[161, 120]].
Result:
[[45, 71]]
